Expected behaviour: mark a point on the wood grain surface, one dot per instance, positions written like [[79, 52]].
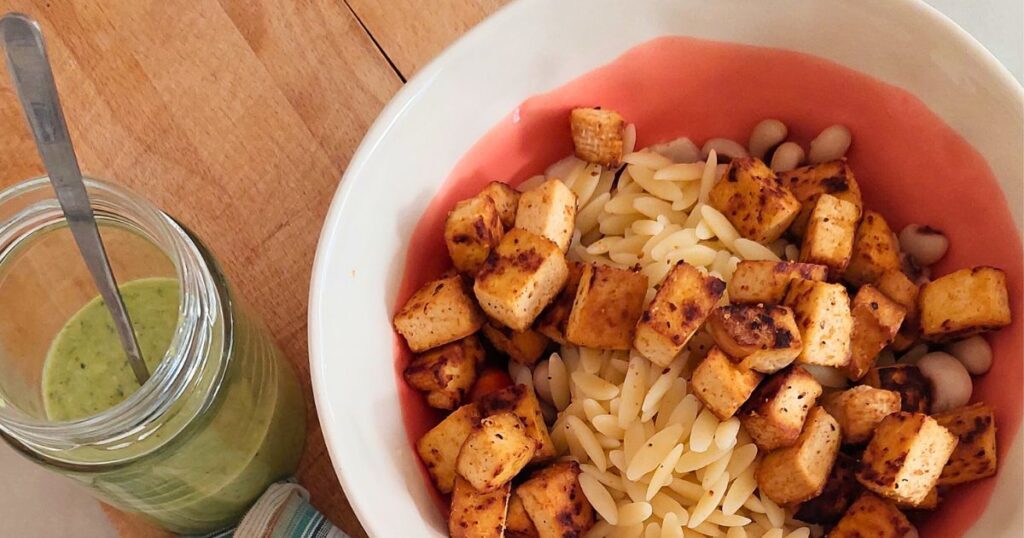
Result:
[[237, 117]]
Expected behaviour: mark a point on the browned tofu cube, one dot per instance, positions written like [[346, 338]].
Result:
[[521, 277], [524, 347], [875, 251], [876, 320], [440, 312], [897, 286], [684, 300], [555, 503], [446, 373], [597, 135], [797, 473], [764, 338], [766, 281], [472, 230], [840, 491], [476, 514], [722, 385], [930, 502], [905, 457], [807, 183], [975, 454], [859, 410], [495, 451], [754, 201], [822, 313], [506, 201], [830, 232], [521, 401], [872, 516], [439, 447], [906, 380], [775, 413], [555, 317], [609, 301], [518, 523], [548, 210], [963, 303]]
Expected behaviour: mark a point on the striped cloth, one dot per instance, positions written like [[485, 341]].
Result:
[[284, 512]]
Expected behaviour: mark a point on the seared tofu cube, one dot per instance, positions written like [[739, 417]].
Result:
[[446, 373], [822, 313], [475, 514], [906, 380], [875, 251], [767, 281], [897, 286], [439, 447], [930, 502], [722, 385], [521, 401], [597, 135], [775, 413], [975, 454], [518, 523], [506, 201], [963, 303], [524, 347], [440, 312], [905, 457], [830, 232], [472, 230], [683, 301], [872, 516], [495, 451], [520, 278], [840, 491], [609, 301], [754, 201], [764, 338], [552, 323], [876, 320], [548, 210], [555, 502], [859, 410], [797, 473], [807, 183]]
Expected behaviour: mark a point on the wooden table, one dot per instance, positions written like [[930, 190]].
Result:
[[238, 117]]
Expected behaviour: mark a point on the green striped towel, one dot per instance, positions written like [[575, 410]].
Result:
[[284, 512]]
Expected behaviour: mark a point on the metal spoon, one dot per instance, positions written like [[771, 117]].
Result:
[[33, 80]]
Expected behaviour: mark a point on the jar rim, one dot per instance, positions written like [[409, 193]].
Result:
[[199, 300]]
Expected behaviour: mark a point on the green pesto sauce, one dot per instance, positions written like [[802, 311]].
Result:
[[86, 371]]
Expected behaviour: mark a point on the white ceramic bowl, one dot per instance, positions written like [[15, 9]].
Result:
[[533, 46]]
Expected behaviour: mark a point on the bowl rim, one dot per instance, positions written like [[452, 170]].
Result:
[[383, 124]]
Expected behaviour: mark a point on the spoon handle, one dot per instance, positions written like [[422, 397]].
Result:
[[33, 80]]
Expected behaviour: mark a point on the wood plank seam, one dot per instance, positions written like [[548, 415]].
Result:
[[373, 38]]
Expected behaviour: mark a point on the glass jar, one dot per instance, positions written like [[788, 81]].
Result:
[[221, 416]]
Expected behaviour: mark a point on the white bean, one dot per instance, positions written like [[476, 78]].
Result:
[[950, 383], [924, 244], [765, 136], [830, 144], [724, 147], [913, 354], [787, 156], [974, 353], [680, 150]]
